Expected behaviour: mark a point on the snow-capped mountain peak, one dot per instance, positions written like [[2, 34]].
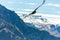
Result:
[[42, 22]]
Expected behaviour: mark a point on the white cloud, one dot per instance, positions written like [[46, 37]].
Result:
[[48, 15], [13, 2], [58, 12], [52, 4], [31, 3], [54, 19], [10, 2], [18, 12], [27, 9]]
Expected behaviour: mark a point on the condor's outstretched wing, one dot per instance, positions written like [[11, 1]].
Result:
[[35, 9]]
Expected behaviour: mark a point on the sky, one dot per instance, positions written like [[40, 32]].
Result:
[[51, 7]]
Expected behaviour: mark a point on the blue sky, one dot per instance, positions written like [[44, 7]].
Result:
[[50, 6]]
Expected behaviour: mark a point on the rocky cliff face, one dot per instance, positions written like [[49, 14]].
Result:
[[13, 28]]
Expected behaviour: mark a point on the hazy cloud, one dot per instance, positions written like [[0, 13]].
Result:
[[54, 19], [52, 4], [31, 3], [27, 9]]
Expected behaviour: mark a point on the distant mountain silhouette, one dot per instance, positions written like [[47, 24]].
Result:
[[13, 28]]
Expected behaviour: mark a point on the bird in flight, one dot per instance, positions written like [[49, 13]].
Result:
[[33, 12]]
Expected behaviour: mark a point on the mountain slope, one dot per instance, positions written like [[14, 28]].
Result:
[[42, 23], [13, 28]]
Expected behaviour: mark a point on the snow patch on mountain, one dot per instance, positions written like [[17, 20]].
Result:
[[43, 22]]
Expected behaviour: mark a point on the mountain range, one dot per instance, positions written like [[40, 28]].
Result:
[[12, 27]]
